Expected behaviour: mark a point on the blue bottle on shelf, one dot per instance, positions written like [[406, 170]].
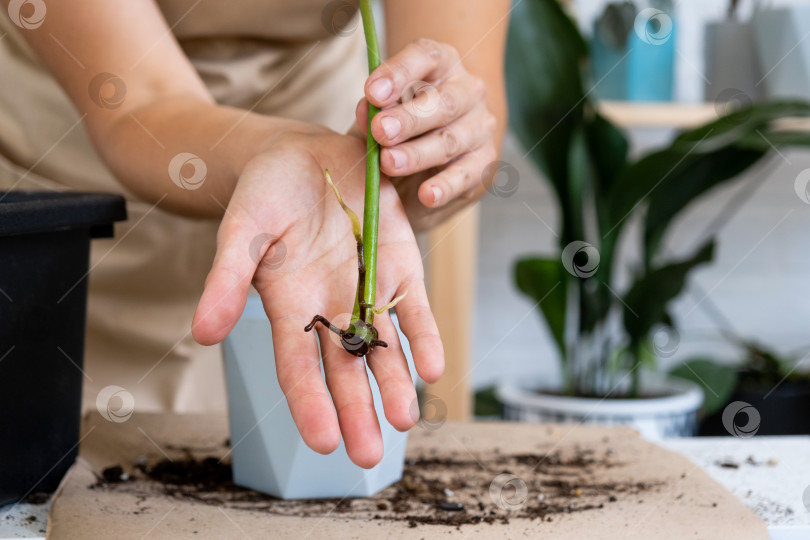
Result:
[[651, 67]]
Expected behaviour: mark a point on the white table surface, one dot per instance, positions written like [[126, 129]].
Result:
[[771, 483], [772, 488]]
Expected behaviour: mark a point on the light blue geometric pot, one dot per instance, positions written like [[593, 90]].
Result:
[[268, 453]]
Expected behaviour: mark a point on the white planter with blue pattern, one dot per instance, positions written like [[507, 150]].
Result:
[[674, 414]]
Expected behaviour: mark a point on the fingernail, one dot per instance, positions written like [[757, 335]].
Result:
[[381, 89], [391, 126], [437, 194], [400, 158]]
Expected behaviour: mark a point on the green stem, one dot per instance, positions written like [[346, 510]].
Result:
[[371, 208], [635, 384]]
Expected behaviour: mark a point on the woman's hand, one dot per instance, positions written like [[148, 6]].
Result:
[[285, 232], [435, 127]]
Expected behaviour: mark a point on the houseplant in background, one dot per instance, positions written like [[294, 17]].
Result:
[[608, 315], [769, 382]]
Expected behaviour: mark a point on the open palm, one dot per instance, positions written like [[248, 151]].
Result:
[[285, 232]]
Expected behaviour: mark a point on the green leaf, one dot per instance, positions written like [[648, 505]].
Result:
[[766, 140], [717, 380], [695, 175], [646, 302], [696, 161], [729, 128], [544, 86], [543, 280], [578, 185], [608, 148]]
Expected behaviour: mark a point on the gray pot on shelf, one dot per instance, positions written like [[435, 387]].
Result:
[[269, 454], [784, 51], [731, 61]]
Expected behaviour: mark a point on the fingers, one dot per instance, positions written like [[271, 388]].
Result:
[[390, 369], [348, 383], [439, 146], [423, 59], [299, 375], [431, 107], [227, 284], [461, 178], [419, 326]]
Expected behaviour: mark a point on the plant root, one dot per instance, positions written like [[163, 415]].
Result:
[[359, 339]]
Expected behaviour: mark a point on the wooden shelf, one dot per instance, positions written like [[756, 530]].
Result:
[[630, 114]]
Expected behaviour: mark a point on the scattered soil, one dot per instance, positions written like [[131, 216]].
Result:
[[450, 490], [731, 464]]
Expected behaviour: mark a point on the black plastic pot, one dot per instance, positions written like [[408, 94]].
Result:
[[44, 256], [785, 410]]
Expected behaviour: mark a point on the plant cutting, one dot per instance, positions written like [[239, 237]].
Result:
[[361, 336], [601, 308]]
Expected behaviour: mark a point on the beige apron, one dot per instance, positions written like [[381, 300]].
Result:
[[145, 282]]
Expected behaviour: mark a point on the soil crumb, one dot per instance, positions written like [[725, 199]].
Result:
[[37, 497], [434, 490]]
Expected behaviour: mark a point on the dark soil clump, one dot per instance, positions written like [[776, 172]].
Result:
[[37, 497]]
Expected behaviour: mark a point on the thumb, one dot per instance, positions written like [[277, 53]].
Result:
[[239, 250]]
